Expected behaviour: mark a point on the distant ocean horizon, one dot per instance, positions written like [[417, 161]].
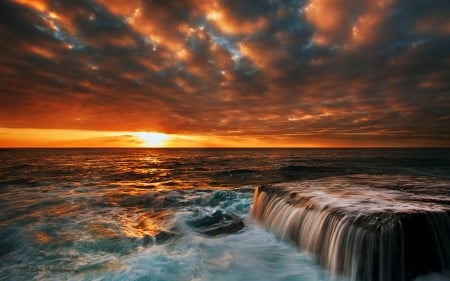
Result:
[[142, 213], [233, 148]]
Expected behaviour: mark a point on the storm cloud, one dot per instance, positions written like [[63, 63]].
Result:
[[351, 70]]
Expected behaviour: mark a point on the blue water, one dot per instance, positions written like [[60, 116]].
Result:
[[124, 214]]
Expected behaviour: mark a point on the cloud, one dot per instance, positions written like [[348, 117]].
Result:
[[304, 69], [237, 17]]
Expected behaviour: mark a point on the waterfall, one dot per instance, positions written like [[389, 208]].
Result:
[[358, 231]]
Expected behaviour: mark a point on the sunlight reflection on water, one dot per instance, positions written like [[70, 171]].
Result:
[[123, 214]]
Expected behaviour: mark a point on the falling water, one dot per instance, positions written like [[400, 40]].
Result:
[[359, 228], [185, 214]]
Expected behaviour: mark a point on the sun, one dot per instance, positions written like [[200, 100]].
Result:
[[152, 139]]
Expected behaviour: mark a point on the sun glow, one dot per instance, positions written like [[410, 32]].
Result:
[[153, 139]]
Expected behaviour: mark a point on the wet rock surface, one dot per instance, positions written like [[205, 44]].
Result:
[[217, 223], [364, 227]]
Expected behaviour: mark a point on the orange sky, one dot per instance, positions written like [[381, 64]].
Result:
[[315, 73]]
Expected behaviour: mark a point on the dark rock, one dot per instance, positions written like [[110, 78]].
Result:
[[364, 227], [224, 227], [208, 220], [217, 223]]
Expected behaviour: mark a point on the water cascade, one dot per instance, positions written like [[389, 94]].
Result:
[[362, 227]]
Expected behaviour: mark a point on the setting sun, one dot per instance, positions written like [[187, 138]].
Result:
[[153, 139]]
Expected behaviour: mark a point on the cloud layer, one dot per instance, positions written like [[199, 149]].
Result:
[[374, 70]]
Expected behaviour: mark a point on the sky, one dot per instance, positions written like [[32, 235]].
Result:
[[207, 73]]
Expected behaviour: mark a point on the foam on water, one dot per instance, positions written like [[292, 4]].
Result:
[[125, 214], [251, 255], [94, 247], [371, 194], [357, 227]]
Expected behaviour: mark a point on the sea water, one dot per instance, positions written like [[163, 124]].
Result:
[[126, 214], [364, 227]]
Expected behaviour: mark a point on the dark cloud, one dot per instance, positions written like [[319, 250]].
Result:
[[368, 70]]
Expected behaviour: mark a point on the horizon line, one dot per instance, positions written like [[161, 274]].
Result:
[[230, 147]]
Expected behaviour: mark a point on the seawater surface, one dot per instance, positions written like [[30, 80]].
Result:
[[133, 214]]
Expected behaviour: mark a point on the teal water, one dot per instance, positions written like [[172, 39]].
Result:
[[126, 214]]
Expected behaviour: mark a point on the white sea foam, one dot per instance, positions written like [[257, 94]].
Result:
[[357, 229], [370, 194], [123, 214]]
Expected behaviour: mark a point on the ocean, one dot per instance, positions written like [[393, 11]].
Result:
[[171, 214]]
